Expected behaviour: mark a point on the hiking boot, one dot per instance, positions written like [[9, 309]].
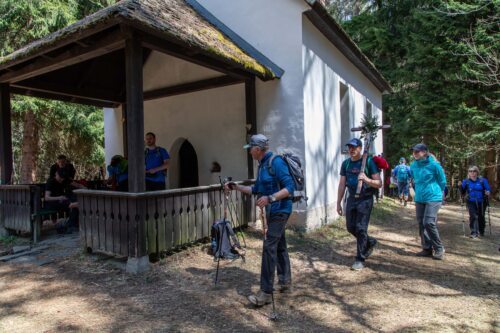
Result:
[[473, 236], [357, 266], [285, 287], [438, 255], [424, 253], [260, 299], [370, 248]]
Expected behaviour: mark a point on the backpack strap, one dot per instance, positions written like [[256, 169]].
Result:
[[271, 170], [270, 165], [367, 169]]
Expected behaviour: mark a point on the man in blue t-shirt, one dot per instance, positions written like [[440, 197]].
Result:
[[358, 210], [403, 175], [156, 159]]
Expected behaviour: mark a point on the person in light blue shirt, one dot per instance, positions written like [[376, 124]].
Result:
[[156, 159], [274, 188], [429, 180], [403, 175], [476, 190]]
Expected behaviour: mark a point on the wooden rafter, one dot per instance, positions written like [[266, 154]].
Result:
[[73, 55], [190, 87]]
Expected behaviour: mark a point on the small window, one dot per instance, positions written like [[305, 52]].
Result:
[[345, 115], [368, 108]]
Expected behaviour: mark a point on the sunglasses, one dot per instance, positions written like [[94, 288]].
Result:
[[472, 171]]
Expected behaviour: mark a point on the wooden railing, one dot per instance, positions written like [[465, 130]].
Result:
[[138, 224], [17, 204]]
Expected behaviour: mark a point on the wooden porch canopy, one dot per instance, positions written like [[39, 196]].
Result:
[[99, 61]]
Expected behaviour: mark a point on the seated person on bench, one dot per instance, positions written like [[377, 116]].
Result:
[[118, 173], [59, 196]]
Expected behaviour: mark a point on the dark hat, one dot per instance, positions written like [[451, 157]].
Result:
[[258, 140], [419, 147], [355, 143]]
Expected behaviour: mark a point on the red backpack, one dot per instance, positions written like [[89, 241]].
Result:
[[380, 162]]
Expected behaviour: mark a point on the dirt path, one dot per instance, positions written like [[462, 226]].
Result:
[[397, 292]]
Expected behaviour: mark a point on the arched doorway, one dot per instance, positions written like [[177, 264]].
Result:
[[188, 166]]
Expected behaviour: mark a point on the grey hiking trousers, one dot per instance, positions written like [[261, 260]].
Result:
[[427, 224]]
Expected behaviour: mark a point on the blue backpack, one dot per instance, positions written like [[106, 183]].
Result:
[[403, 173]]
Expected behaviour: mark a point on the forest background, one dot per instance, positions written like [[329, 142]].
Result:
[[440, 57]]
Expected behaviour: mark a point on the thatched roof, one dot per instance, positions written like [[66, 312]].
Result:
[[181, 21]]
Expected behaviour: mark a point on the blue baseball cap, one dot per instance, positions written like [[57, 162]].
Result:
[[419, 147], [355, 143]]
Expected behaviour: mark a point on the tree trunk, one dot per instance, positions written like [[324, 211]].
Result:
[[30, 147], [490, 166]]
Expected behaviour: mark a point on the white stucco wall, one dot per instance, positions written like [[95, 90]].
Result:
[[324, 66], [113, 133], [273, 28]]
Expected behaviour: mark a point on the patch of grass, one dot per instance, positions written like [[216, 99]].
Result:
[[321, 236], [383, 210], [8, 240]]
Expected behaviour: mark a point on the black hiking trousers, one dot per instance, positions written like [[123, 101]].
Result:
[[357, 214], [477, 222], [275, 253]]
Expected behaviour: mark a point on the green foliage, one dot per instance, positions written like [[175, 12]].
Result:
[[370, 125], [74, 130], [425, 48]]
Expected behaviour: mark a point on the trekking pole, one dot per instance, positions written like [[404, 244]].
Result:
[[463, 215], [218, 257], [264, 222], [237, 219], [488, 209], [228, 180], [221, 237]]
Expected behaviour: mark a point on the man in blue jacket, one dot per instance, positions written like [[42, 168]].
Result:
[[358, 210], [273, 187], [476, 189], [403, 176], [430, 181]]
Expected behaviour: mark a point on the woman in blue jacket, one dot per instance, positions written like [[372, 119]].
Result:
[[429, 180], [476, 189]]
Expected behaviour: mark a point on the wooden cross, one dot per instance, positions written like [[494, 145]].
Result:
[[369, 135]]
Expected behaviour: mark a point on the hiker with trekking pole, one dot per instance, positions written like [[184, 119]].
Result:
[[361, 176], [274, 188], [475, 192], [429, 181]]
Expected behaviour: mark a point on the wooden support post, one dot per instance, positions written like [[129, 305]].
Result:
[[251, 117], [6, 166], [124, 130], [134, 114]]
